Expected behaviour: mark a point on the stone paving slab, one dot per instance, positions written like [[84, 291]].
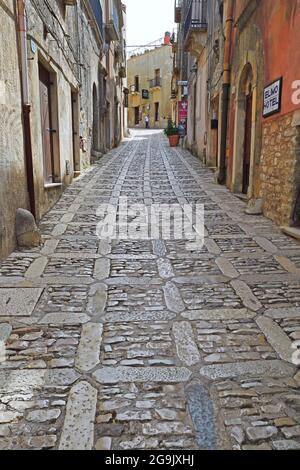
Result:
[[150, 344]]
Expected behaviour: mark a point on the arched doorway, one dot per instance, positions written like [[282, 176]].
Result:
[[244, 131]]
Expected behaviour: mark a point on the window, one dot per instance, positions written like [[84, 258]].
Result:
[[49, 124], [156, 112], [136, 115], [137, 83]]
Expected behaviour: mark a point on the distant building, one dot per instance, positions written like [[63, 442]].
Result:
[[149, 78]]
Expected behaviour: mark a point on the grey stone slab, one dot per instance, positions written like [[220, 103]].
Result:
[[49, 246], [98, 299], [245, 293], [36, 268], [112, 375], [102, 269], [284, 312], [276, 337], [212, 246], [202, 413], [186, 347], [34, 379], [18, 301], [286, 444], [64, 319], [5, 331], [226, 267], [78, 428], [88, 352], [120, 317], [165, 268], [173, 298], [265, 244], [59, 230], [104, 248], [273, 368], [219, 314], [67, 218]]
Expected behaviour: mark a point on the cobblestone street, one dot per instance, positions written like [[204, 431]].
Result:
[[144, 344]]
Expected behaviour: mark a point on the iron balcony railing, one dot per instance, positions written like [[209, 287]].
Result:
[[196, 17], [155, 82], [98, 13]]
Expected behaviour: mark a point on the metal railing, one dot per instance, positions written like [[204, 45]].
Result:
[[196, 17], [98, 13], [155, 82]]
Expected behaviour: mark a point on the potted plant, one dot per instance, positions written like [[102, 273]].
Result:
[[172, 132]]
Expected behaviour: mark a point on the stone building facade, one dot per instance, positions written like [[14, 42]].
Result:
[[62, 83], [149, 82], [240, 51]]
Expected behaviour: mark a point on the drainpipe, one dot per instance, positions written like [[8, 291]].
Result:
[[22, 31], [226, 89]]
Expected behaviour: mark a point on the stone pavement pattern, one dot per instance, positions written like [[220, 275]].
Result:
[[144, 344]]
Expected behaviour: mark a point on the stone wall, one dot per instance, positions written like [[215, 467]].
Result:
[[278, 168], [13, 186]]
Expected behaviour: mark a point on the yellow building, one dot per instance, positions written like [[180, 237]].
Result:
[[149, 82]]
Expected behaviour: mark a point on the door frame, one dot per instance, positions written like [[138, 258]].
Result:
[[48, 153], [75, 132]]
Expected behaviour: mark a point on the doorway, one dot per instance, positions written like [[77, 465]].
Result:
[[247, 142], [245, 123], [96, 130], [136, 115], [46, 124], [75, 133]]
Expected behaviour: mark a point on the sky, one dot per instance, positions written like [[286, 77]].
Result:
[[147, 20]]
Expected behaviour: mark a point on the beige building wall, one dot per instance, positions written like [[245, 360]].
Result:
[[144, 67], [13, 186]]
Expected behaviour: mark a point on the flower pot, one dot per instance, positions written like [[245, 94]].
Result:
[[174, 140]]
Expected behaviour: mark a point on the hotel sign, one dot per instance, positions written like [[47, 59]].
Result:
[[272, 98]]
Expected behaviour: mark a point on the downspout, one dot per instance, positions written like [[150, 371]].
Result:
[[226, 90], [22, 30]]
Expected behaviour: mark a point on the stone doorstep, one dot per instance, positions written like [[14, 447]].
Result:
[[292, 232]]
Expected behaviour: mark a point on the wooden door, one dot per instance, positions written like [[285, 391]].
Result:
[[137, 115], [46, 124], [247, 143]]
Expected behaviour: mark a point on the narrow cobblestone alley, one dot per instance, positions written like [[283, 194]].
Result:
[[144, 344]]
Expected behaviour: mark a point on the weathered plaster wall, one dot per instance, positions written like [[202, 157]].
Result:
[[13, 187], [144, 66]]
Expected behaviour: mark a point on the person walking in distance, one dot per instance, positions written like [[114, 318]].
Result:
[[147, 121]]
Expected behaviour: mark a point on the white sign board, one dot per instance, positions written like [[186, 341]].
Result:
[[272, 98]]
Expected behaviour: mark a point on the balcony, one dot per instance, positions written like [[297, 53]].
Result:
[[178, 10], [195, 27], [155, 82], [98, 14], [112, 27]]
